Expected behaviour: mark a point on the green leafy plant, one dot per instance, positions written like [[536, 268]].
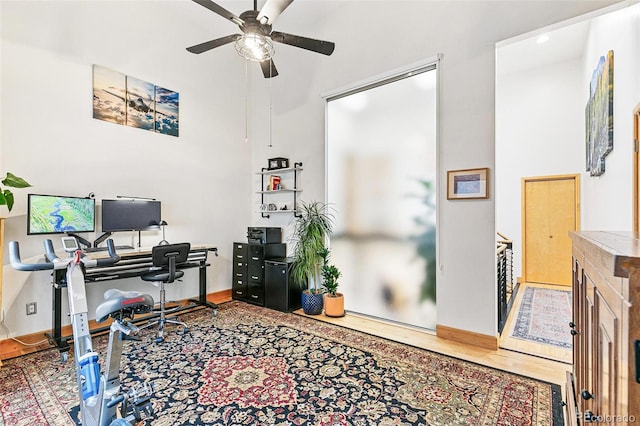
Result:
[[330, 274], [13, 181], [313, 225]]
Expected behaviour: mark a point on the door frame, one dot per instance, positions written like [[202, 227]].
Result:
[[636, 168], [523, 233]]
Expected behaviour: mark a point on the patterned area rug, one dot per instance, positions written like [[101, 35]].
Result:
[[544, 317], [254, 366]]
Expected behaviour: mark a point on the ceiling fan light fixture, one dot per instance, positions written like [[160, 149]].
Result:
[[254, 47]]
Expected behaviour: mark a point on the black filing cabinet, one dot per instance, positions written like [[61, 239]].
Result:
[[249, 267], [239, 286], [281, 293]]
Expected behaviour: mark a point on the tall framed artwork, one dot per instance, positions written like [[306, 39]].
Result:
[[599, 116]]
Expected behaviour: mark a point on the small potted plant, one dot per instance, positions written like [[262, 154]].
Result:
[[313, 226], [333, 301], [6, 196]]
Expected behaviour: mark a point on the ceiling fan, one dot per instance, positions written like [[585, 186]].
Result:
[[255, 42]]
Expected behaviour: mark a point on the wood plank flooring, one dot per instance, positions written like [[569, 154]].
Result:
[[546, 351], [503, 359]]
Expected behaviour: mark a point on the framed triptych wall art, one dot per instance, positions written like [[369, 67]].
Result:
[[129, 101]]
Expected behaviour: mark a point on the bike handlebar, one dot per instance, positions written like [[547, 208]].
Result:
[[54, 261]]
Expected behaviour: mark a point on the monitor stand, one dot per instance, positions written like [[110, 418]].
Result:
[[101, 238], [80, 240]]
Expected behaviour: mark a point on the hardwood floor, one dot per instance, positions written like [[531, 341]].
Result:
[[503, 359], [538, 349]]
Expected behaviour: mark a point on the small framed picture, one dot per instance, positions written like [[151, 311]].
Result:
[[278, 163], [468, 184]]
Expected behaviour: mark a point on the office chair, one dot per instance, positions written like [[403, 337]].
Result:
[[165, 260]]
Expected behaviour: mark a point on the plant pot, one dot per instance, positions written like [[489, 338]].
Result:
[[312, 303], [334, 305]]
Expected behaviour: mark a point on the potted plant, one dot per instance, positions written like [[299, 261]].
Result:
[[313, 225], [333, 301], [6, 196]]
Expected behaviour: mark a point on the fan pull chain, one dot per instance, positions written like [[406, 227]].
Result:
[[270, 105], [246, 101]]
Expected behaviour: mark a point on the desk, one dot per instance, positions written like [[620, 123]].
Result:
[[133, 263]]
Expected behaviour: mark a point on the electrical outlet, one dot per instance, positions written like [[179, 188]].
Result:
[[32, 308]]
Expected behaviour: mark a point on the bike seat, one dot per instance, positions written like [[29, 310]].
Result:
[[118, 300]]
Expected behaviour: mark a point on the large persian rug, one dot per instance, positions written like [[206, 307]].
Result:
[[255, 366], [544, 317]]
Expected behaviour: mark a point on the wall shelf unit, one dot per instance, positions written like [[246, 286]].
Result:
[[288, 180]]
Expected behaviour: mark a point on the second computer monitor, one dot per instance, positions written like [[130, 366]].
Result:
[[130, 215]]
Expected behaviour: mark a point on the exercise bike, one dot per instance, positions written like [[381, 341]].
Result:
[[101, 401]]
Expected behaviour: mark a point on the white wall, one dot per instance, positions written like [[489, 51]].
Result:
[[374, 37], [206, 177], [540, 125], [607, 199], [539, 132], [50, 138]]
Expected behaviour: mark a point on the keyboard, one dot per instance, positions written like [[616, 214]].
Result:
[[96, 249]]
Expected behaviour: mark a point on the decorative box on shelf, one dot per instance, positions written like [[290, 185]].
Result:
[[278, 163]]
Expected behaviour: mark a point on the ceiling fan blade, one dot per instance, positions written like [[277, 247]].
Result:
[[220, 11], [268, 68], [272, 9], [208, 45], [319, 46]]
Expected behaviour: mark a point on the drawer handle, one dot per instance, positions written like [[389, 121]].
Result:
[[573, 332], [253, 277], [255, 258], [238, 274], [586, 395], [254, 296], [239, 292], [239, 256]]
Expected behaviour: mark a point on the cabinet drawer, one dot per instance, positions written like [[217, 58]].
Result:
[[239, 273], [256, 293], [239, 289], [240, 252], [255, 272], [255, 253]]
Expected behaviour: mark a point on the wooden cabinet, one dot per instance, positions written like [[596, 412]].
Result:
[[605, 386]]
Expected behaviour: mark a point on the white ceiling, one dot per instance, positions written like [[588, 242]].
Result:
[[563, 44]]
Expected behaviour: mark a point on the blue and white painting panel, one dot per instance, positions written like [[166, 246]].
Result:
[[109, 95], [167, 105], [140, 104]]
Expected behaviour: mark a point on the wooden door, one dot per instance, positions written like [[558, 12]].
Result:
[[550, 210]]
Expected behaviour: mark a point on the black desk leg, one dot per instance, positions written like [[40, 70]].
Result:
[[202, 300], [56, 333]]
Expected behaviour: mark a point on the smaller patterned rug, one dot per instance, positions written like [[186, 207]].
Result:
[[544, 317]]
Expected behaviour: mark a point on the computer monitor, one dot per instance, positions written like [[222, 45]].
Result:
[[55, 214], [130, 215]]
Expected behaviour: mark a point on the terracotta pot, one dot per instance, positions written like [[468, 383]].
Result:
[[334, 305]]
